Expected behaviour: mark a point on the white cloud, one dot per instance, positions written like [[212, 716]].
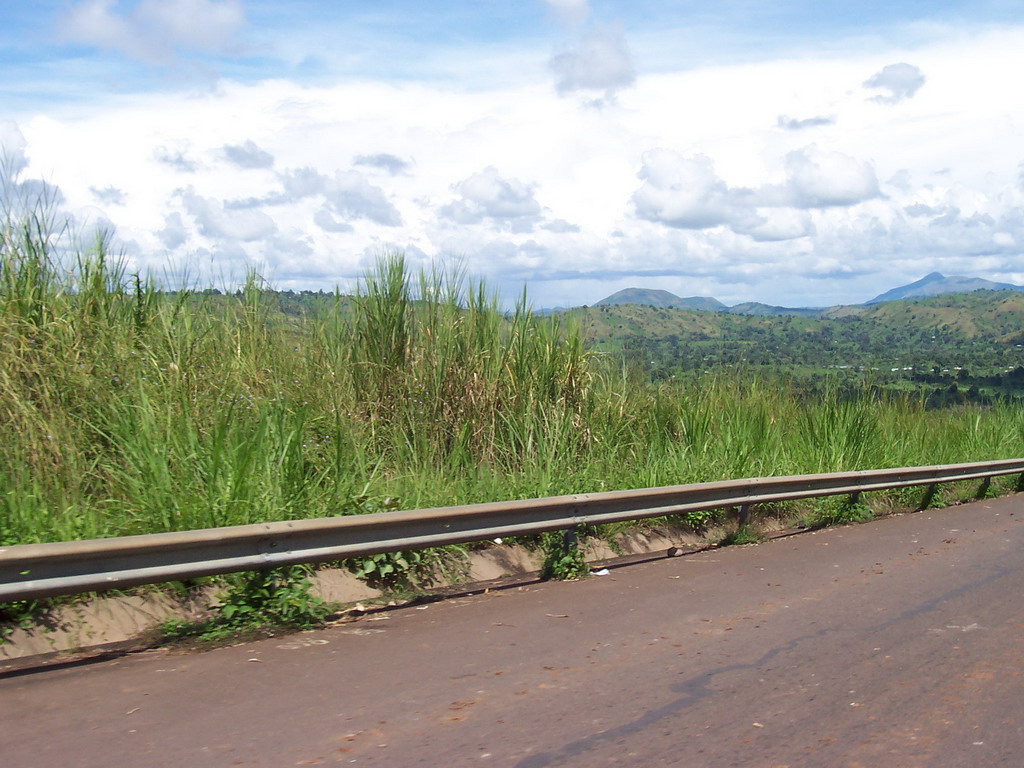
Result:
[[218, 223], [683, 192], [347, 194], [110, 195], [600, 61], [385, 162], [248, 155], [687, 193], [176, 158], [152, 30], [819, 179], [736, 204], [488, 196], [174, 233], [12, 148], [571, 12], [793, 124], [328, 223], [901, 81], [303, 182], [560, 226], [776, 225], [350, 194]]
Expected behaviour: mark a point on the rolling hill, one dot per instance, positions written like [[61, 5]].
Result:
[[934, 284], [650, 297], [979, 330]]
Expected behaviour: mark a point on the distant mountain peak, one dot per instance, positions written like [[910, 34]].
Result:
[[937, 284], [655, 297]]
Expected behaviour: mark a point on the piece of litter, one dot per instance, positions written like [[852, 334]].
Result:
[[132, 711], [497, 541], [758, 725], [258, 661], [557, 615], [602, 572], [422, 607]]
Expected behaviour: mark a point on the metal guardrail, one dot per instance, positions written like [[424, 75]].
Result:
[[30, 571]]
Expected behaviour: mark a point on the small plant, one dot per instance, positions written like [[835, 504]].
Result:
[[842, 510], [388, 570], [278, 596], [255, 601], [563, 556], [700, 520], [742, 535], [15, 615], [988, 489]]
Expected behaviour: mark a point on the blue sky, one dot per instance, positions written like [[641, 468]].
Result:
[[794, 152]]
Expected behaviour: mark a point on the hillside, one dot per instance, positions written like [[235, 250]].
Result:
[[767, 310], [978, 331], [937, 284], [934, 284], [651, 297], [980, 314]]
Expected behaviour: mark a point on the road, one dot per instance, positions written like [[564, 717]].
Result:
[[897, 643]]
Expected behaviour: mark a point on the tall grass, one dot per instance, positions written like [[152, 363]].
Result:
[[125, 409]]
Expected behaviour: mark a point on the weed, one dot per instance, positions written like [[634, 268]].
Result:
[[389, 570], [700, 520], [563, 556], [255, 601], [17, 614], [833, 510], [742, 535]]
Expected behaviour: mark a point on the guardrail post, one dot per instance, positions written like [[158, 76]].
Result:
[[570, 539], [744, 515], [1020, 484], [854, 498], [564, 558], [929, 494], [983, 488]]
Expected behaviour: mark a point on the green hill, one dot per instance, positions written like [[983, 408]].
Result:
[[652, 297], [979, 331], [937, 284], [757, 308]]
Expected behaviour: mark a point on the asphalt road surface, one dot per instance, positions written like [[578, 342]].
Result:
[[896, 643]]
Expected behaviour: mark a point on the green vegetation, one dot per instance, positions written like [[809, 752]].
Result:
[[563, 555], [257, 601], [833, 510], [127, 409], [950, 349], [742, 535]]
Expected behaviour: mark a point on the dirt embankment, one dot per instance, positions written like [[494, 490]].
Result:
[[123, 619]]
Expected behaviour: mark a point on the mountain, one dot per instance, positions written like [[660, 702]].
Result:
[[758, 309], [937, 284], [651, 297]]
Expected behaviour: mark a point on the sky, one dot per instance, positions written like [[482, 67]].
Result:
[[795, 153]]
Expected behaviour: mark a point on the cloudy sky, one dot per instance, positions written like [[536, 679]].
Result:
[[794, 152]]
